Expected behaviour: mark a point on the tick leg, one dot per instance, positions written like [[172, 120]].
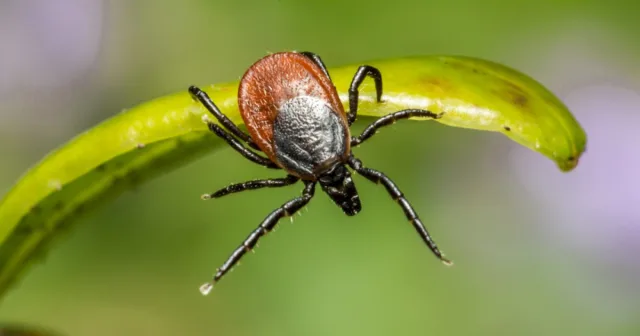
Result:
[[237, 145], [250, 185], [389, 120], [316, 59], [361, 74], [204, 99], [395, 193], [287, 209]]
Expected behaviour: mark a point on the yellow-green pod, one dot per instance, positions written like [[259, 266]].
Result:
[[166, 133]]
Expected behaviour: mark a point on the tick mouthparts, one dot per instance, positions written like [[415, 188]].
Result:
[[206, 288]]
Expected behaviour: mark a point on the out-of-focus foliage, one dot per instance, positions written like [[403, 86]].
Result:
[[536, 251], [22, 330]]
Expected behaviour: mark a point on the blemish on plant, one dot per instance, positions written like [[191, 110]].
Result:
[[507, 128], [36, 210], [25, 230], [55, 184], [519, 99], [515, 94], [134, 180], [79, 209], [434, 83], [116, 180], [179, 142], [463, 66], [58, 206]]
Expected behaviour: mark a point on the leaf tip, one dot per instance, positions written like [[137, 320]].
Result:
[[568, 164]]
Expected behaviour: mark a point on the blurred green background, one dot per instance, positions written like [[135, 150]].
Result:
[[536, 252]]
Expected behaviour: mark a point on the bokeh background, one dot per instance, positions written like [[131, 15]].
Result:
[[537, 252]]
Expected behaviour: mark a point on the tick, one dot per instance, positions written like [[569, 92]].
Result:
[[294, 116]]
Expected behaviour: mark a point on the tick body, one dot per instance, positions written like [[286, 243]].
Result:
[[295, 118]]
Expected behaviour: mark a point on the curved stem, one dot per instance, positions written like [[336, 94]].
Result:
[[165, 133]]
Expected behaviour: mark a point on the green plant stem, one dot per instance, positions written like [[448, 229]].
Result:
[[166, 133]]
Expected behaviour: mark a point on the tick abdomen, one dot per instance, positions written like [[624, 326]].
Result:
[[308, 136]]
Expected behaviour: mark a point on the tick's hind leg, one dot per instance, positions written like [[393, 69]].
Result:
[[251, 185], [389, 120], [203, 98], [395, 193], [287, 209]]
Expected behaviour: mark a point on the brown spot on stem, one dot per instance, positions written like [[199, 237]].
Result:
[[518, 99], [434, 84], [25, 230], [36, 210], [79, 209], [58, 206], [463, 66], [515, 94]]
